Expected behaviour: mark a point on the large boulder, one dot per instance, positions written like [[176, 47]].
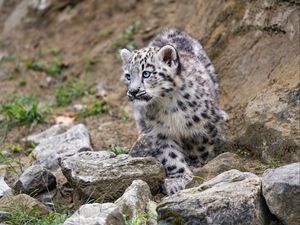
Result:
[[102, 176], [223, 162], [34, 180], [97, 214], [231, 198], [281, 189]]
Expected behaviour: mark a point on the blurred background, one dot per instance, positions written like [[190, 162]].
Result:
[[59, 63]]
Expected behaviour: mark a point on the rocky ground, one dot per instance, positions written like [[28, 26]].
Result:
[[66, 126]]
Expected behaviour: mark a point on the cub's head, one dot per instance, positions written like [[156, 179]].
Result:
[[149, 73]]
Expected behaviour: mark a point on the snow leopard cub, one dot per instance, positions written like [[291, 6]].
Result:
[[174, 90]]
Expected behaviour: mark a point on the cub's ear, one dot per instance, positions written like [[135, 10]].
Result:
[[168, 55], [125, 55]]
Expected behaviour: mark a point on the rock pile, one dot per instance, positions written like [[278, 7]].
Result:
[[125, 187]]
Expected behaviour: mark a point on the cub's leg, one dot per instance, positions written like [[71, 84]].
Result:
[[170, 155]]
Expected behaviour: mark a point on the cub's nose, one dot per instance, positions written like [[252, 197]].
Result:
[[132, 92]]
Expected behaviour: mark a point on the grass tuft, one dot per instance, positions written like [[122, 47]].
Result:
[[119, 150], [53, 67], [22, 110], [50, 51], [98, 107], [142, 218], [65, 94], [22, 215]]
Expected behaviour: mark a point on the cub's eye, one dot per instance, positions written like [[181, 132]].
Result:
[[146, 74], [127, 76]]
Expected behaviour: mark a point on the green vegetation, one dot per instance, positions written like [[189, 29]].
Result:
[[98, 107], [242, 152], [275, 162], [53, 67], [22, 110], [35, 65], [4, 159], [119, 150], [142, 218], [11, 154], [50, 51], [22, 215], [126, 39], [199, 178], [14, 148], [65, 94], [24, 148], [50, 62], [260, 167], [14, 165]]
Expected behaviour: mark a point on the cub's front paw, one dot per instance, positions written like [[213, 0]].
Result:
[[173, 185]]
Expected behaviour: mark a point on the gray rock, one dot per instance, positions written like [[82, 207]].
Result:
[[223, 162], [35, 180], [152, 213], [4, 188], [135, 200], [50, 163], [78, 107], [136, 204], [281, 189], [54, 144], [50, 132], [106, 178], [97, 214], [231, 198]]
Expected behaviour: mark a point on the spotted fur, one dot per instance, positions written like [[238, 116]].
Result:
[[174, 90]]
